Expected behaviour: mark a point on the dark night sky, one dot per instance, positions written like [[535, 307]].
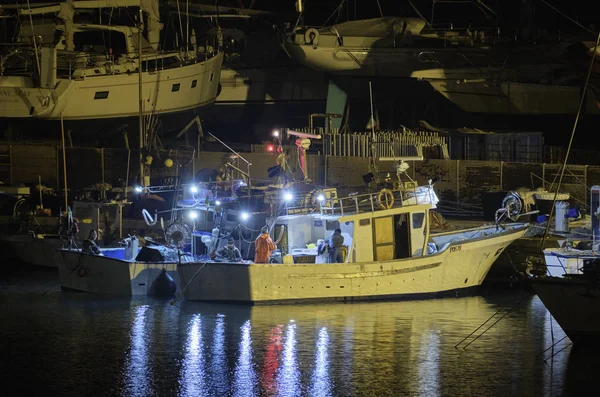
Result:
[[462, 14], [509, 11]]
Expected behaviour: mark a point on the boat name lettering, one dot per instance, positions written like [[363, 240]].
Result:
[[455, 248], [10, 93]]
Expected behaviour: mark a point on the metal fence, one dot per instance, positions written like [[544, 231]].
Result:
[[387, 144]]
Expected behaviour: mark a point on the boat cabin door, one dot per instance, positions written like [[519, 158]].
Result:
[[417, 232]]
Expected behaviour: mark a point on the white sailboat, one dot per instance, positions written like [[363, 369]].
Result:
[[91, 71], [386, 46]]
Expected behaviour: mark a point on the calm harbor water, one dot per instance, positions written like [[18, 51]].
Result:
[[73, 344]]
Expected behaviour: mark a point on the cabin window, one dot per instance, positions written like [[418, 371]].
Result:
[[101, 95], [417, 220], [212, 76], [194, 83], [175, 87], [169, 62], [332, 225], [364, 222], [100, 42]]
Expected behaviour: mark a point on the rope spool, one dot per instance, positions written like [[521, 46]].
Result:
[[385, 199], [312, 37]]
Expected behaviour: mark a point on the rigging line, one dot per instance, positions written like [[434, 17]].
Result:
[[337, 9], [418, 13], [380, 11], [569, 18], [562, 172], [35, 48], [180, 24]]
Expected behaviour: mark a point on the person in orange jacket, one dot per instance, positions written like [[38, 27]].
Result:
[[264, 246]]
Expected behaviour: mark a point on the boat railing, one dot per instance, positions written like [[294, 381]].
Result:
[[471, 35], [353, 204]]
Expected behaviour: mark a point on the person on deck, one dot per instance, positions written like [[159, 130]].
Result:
[[336, 240], [264, 246], [89, 246], [230, 252]]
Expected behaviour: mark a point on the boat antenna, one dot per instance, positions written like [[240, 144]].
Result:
[[564, 166], [373, 137], [140, 97]]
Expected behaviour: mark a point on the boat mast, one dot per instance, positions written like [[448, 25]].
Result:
[[35, 48], [141, 120], [564, 166]]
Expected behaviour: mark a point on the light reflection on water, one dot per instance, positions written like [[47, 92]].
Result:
[[429, 364], [288, 376], [245, 377], [218, 369], [132, 348], [321, 385], [137, 377], [193, 374]]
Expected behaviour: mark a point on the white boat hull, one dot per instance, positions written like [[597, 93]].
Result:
[[458, 266], [110, 276], [475, 92], [574, 305], [382, 62], [79, 98]]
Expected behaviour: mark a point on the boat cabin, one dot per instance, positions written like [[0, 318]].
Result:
[[379, 235]]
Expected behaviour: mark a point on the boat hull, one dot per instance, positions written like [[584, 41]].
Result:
[[112, 96], [110, 276], [476, 92], [575, 307], [458, 266], [34, 251], [382, 62]]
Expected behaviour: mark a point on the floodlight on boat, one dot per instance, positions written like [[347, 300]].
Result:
[[244, 216], [138, 189], [194, 189], [288, 196], [217, 203], [193, 215], [320, 197], [275, 133]]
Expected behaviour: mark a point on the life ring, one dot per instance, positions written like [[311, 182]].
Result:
[[311, 36], [82, 272], [385, 198]]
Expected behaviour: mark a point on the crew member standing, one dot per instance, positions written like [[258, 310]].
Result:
[[336, 240], [264, 246]]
